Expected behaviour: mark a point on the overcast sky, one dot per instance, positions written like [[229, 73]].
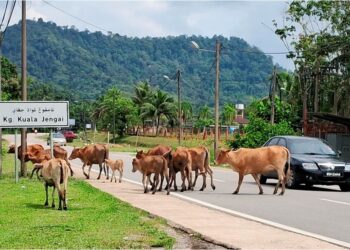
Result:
[[249, 20]]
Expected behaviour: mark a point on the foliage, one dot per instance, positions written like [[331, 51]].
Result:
[[258, 131], [317, 31], [204, 118], [86, 63], [262, 109], [10, 85], [228, 114]]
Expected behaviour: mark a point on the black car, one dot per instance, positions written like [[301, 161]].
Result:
[[313, 161]]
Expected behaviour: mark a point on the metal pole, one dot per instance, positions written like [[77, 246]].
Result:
[[113, 116], [178, 74], [0, 100], [51, 144], [16, 157], [217, 58], [273, 87], [24, 85]]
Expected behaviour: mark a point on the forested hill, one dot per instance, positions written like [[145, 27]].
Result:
[[89, 63]]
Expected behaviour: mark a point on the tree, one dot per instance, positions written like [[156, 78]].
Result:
[[143, 94], [228, 114], [160, 105]]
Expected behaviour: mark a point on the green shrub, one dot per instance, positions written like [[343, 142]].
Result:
[[258, 131]]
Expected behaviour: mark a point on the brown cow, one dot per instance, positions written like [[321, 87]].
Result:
[[157, 150], [31, 149], [45, 155], [151, 164], [257, 161], [200, 163], [92, 154], [54, 173], [181, 161]]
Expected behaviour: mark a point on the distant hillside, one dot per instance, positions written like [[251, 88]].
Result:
[[89, 63]]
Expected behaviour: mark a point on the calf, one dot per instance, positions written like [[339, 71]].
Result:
[[152, 164], [115, 165], [55, 173], [257, 161]]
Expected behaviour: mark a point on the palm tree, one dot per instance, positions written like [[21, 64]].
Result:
[[160, 105], [143, 94], [228, 114], [187, 111]]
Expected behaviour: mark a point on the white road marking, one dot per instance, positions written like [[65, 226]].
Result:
[[253, 218], [218, 180], [339, 202]]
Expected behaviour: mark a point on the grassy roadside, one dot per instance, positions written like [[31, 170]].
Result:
[[94, 219]]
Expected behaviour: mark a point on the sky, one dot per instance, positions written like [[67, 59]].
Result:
[[250, 20]]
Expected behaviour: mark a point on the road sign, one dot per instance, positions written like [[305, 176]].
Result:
[[31, 114]]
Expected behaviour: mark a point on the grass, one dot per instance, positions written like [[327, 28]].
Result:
[[94, 219], [134, 143]]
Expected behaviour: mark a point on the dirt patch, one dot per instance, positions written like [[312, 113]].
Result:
[[185, 240]]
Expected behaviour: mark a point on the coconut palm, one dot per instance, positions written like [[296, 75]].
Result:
[[160, 105], [228, 114]]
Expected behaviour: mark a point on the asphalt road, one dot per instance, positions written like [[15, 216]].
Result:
[[321, 210]]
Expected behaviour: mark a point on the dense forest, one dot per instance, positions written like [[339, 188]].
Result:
[[88, 64]]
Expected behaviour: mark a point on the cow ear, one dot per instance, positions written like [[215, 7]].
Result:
[[165, 155]]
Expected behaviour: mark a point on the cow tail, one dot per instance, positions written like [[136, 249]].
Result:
[[287, 171], [61, 172], [206, 161]]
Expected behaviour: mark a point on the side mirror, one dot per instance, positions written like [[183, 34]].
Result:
[[339, 153]]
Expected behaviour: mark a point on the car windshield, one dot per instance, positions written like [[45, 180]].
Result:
[[310, 146], [57, 135]]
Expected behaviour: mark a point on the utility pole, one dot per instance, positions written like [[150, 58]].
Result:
[[114, 115], [304, 89], [0, 100], [317, 85], [178, 74], [24, 85], [217, 59], [273, 87]]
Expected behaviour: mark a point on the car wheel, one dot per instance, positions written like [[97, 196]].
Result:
[[263, 179], [292, 179], [344, 187]]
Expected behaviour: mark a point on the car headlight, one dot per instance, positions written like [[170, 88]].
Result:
[[347, 168], [310, 166]]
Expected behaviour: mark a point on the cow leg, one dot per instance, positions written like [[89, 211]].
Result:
[[64, 199], [195, 178], [281, 179], [70, 167], [47, 195], [99, 175], [204, 182], [113, 174], [210, 172], [239, 183], [87, 176], [53, 196], [105, 167], [189, 178], [183, 177], [161, 182], [90, 166], [256, 178], [145, 183], [156, 180], [174, 178], [120, 175]]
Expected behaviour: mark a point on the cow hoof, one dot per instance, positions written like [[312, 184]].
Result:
[[213, 187], [87, 177], [120, 181], [64, 208], [235, 192], [53, 206], [261, 192], [281, 193], [168, 193], [159, 190], [201, 189], [59, 208]]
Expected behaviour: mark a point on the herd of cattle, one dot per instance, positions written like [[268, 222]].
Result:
[[160, 161]]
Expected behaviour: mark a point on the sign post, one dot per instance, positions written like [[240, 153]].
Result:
[[33, 114]]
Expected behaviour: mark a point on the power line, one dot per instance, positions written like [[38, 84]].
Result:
[[78, 18], [3, 17], [8, 22]]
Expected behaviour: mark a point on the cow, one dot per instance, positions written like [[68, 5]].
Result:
[[200, 163], [181, 161], [257, 161], [151, 164], [55, 173], [157, 150], [31, 149], [45, 155], [115, 165], [92, 154]]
